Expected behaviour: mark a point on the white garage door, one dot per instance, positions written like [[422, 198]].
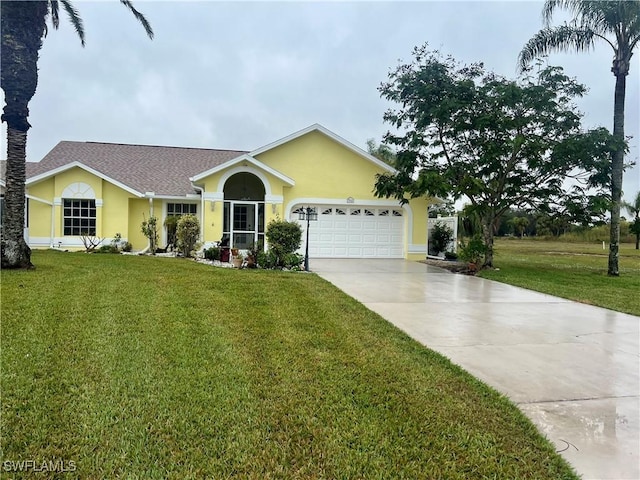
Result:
[[354, 232]]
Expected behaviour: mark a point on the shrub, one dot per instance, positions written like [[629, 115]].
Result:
[[441, 236], [451, 255], [267, 260], [292, 261], [150, 230], [473, 251], [127, 247], [212, 253], [111, 248], [187, 233], [284, 238]]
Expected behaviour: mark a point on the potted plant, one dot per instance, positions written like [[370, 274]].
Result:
[[237, 259]]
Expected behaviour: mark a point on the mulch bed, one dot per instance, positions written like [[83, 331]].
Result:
[[451, 265]]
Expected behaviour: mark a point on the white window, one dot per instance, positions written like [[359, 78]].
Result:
[[79, 216], [178, 209]]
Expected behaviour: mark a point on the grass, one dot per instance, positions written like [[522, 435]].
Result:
[[577, 271], [143, 367]]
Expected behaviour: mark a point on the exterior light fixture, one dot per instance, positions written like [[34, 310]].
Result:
[[309, 214]]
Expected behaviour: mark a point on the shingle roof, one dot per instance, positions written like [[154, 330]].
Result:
[[144, 168]]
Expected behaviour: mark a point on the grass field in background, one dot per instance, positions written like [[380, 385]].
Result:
[[577, 271], [144, 367]]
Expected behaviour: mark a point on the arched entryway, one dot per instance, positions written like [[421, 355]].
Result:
[[244, 210]]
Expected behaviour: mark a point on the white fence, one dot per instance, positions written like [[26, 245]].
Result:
[[452, 223]]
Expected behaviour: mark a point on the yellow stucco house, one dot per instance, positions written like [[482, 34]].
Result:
[[104, 189]]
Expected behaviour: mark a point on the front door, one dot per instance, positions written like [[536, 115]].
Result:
[[244, 223]]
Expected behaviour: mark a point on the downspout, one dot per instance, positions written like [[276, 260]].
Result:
[[53, 216], [201, 210]]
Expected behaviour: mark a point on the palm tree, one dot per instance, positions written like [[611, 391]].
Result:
[[24, 26], [618, 24], [634, 211]]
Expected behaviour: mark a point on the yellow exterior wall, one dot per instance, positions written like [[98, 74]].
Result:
[[73, 175], [139, 211], [115, 210], [40, 213], [322, 168]]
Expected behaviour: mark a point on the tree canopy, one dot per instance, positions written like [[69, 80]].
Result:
[[464, 131]]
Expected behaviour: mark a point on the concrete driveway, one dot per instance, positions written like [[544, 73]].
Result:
[[573, 369]]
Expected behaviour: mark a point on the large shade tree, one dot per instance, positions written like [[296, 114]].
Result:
[[23, 27], [616, 23], [465, 132]]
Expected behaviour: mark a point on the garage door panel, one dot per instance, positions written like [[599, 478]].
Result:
[[356, 232]]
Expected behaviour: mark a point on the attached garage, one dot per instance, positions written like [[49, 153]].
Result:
[[348, 231]]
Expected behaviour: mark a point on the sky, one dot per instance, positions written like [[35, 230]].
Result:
[[240, 75]]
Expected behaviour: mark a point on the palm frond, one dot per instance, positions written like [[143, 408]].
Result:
[[55, 17], [550, 7], [555, 39], [141, 18], [74, 18]]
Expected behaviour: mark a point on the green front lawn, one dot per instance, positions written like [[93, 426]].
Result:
[[577, 271], [144, 367]]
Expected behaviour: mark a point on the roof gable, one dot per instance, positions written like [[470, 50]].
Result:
[[244, 159], [316, 127], [69, 166]]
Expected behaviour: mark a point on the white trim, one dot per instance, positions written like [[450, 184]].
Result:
[[213, 196], [273, 199], [417, 248], [248, 159], [319, 128], [37, 242], [340, 201], [68, 166], [99, 202], [79, 190], [57, 201], [37, 199], [189, 198]]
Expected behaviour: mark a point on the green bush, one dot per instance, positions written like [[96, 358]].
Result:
[[283, 238], [107, 249], [127, 247], [441, 236], [267, 260], [451, 255], [187, 233], [473, 251], [150, 230], [292, 261], [212, 253]]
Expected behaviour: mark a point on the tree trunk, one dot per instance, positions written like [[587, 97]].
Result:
[[15, 251], [22, 25], [617, 164], [487, 234]]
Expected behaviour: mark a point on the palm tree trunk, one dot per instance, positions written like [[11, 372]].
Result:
[[22, 25], [617, 163], [15, 251]]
